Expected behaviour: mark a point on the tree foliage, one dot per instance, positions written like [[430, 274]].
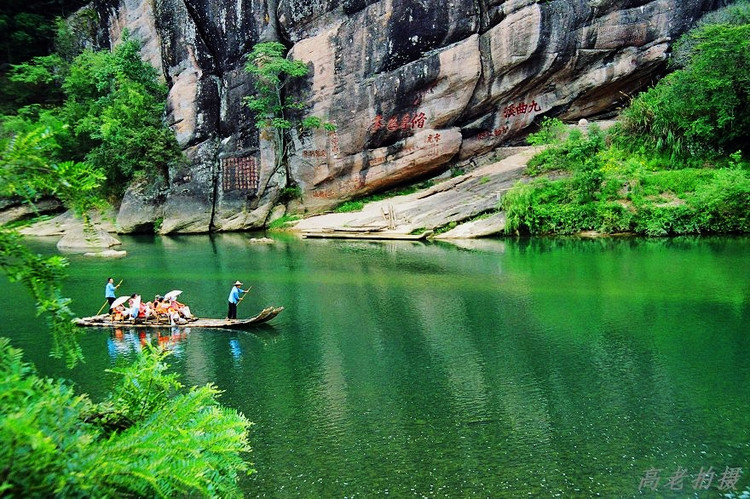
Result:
[[29, 30], [274, 110], [30, 171], [25, 172], [115, 105], [111, 116], [702, 109], [272, 72], [149, 438]]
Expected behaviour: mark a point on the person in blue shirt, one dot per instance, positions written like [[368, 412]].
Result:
[[234, 299], [109, 292]]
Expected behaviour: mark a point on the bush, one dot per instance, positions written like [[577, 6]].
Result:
[[664, 220], [575, 152], [677, 182], [148, 439], [703, 109], [544, 206], [551, 131], [613, 217], [723, 205]]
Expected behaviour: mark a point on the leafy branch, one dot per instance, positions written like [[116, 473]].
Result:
[[59, 444], [273, 108]]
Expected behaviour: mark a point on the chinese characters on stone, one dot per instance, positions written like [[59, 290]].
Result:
[[239, 173], [398, 122], [520, 109], [333, 148], [510, 111], [334, 142], [702, 481], [314, 153], [494, 133]]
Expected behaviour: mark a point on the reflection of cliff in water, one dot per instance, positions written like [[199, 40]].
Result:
[[129, 342]]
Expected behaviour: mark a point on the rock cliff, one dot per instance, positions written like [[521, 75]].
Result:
[[414, 88]]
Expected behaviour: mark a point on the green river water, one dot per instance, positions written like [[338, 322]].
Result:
[[498, 368]]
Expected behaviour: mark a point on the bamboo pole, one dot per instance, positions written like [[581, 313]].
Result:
[[245, 294]]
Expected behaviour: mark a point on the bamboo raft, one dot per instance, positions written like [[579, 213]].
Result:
[[104, 320]]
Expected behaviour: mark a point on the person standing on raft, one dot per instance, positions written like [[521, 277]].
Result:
[[109, 292], [234, 299]]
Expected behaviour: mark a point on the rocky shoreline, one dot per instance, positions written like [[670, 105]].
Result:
[[457, 201], [468, 204], [461, 207]]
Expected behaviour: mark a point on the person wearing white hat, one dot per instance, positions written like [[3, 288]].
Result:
[[234, 299]]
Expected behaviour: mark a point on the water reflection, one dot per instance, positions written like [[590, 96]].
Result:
[[497, 368], [127, 342]]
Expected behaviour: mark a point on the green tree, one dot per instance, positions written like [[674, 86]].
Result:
[[111, 117], [273, 108], [115, 106], [703, 109]]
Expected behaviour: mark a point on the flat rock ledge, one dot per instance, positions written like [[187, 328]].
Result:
[[75, 237], [66, 222], [80, 239], [469, 203]]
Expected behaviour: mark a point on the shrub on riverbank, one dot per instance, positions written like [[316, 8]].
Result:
[[581, 185], [701, 111]]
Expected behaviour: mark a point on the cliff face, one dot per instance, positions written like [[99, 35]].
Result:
[[413, 87]]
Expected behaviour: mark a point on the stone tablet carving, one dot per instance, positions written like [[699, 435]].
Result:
[[240, 173]]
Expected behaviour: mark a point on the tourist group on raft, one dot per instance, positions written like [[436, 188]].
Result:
[[162, 307]]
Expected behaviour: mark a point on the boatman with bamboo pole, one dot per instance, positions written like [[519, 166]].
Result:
[[234, 299], [109, 292]]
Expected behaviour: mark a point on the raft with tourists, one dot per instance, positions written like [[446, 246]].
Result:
[[167, 312], [106, 320]]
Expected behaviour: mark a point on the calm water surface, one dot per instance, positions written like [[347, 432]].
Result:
[[495, 369]]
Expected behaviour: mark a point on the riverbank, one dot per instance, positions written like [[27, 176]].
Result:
[[465, 206], [462, 207]]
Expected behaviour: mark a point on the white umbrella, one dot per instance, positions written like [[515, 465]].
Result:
[[120, 301], [172, 294]]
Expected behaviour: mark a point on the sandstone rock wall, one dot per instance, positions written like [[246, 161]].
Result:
[[413, 87]]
